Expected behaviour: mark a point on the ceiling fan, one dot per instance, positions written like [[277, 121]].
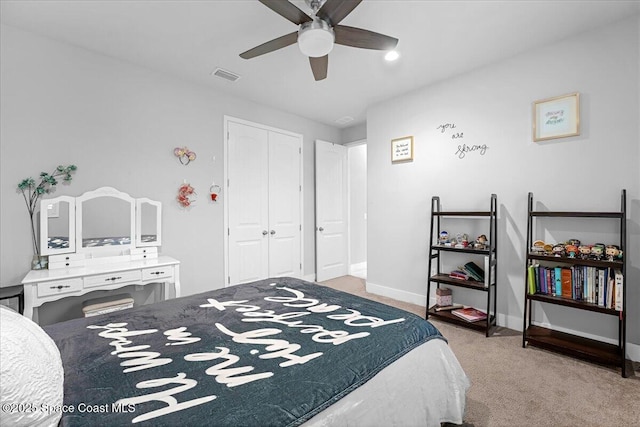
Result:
[[317, 33]]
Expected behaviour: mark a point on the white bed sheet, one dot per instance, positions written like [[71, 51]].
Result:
[[425, 387]]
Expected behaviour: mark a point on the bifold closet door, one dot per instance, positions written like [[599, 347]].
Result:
[[264, 195]]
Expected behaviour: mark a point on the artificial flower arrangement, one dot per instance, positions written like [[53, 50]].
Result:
[[32, 192]]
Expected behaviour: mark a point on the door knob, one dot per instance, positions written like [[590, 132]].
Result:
[[264, 232], [273, 232], [321, 229]]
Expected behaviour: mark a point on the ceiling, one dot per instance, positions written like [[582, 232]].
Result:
[[189, 39]]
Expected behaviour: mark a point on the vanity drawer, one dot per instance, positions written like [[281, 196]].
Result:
[[66, 261], [56, 287], [112, 278], [157, 273], [144, 253]]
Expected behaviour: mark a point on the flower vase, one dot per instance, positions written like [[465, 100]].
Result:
[[39, 262]]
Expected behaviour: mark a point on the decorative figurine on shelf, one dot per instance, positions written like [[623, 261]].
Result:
[[585, 251], [462, 240], [481, 242], [538, 247], [443, 238], [597, 250], [558, 249], [613, 252], [571, 250], [574, 242], [548, 249]]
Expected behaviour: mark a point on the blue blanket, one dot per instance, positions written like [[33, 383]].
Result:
[[269, 353]]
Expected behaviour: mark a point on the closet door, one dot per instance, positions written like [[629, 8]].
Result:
[[248, 198], [264, 197], [284, 205]]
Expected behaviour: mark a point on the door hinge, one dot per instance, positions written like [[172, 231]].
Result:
[[300, 150], [229, 280], [228, 232], [300, 227], [301, 266], [300, 188]]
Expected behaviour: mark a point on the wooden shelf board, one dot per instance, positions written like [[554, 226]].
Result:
[[444, 278], [446, 316], [462, 213], [572, 303], [563, 214], [577, 261], [573, 345], [463, 250]]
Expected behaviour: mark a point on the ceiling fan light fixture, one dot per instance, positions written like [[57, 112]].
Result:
[[316, 38]]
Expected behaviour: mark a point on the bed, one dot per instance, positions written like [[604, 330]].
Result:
[[277, 352]]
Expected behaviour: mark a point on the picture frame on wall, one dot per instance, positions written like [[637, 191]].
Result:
[[402, 149], [557, 117]]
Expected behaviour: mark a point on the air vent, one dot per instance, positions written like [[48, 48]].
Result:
[[344, 120], [224, 74]]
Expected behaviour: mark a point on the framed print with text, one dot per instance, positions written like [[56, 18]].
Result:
[[402, 149], [557, 117]]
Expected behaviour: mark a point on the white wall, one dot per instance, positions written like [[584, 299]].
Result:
[[357, 155], [492, 106], [119, 123]]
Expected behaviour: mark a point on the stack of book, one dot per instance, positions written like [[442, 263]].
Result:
[[471, 271], [470, 314], [107, 304]]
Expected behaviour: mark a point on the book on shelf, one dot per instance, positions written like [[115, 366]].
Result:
[[459, 274], [594, 285], [473, 271], [619, 285], [470, 314]]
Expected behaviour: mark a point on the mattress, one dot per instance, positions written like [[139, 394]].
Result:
[[280, 352]]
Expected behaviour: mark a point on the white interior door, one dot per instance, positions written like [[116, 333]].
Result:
[[248, 203], [264, 203], [331, 211], [285, 226]]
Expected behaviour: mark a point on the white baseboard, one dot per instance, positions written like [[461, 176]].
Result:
[[358, 270], [404, 296], [509, 322], [310, 277]]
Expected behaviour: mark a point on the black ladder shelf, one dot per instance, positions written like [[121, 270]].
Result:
[[573, 345], [436, 251]]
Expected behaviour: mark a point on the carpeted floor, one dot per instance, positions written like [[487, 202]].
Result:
[[515, 386]]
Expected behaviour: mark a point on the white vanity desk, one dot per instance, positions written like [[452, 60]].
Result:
[[41, 286], [101, 240]]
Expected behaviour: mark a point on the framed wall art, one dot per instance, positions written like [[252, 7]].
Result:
[[557, 117], [402, 149]]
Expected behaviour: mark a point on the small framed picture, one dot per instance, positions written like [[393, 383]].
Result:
[[402, 149], [557, 117]]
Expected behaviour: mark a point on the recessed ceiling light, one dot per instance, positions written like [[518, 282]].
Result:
[[392, 55]]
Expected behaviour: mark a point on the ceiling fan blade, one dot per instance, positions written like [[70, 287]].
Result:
[[270, 46], [287, 10], [319, 67], [357, 37], [335, 11]]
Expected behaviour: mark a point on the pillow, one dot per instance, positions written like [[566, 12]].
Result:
[[31, 374]]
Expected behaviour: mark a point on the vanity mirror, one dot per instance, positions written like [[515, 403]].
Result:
[[148, 220], [98, 223], [57, 225], [105, 220]]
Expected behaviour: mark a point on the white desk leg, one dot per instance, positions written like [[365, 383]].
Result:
[[176, 281], [28, 301]]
